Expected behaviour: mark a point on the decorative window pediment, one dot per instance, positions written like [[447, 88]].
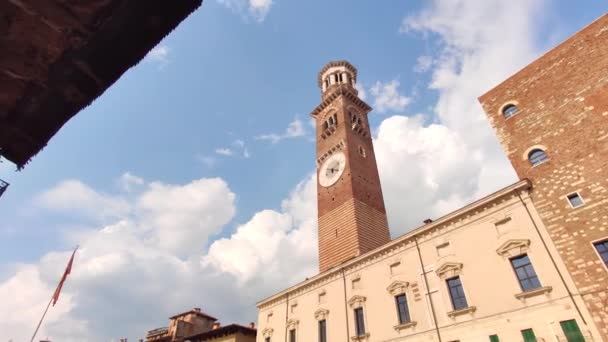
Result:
[[397, 287], [321, 314], [267, 332], [514, 247], [292, 324], [356, 301], [449, 269]]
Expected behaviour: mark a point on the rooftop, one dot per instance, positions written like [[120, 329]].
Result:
[[64, 54], [223, 331], [195, 311]]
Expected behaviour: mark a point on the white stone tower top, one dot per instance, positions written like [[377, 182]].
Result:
[[336, 73]]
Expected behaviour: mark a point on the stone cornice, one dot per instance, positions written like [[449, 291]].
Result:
[[467, 310], [332, 64], [535, 292], [449, 269], [321, 314], [356, 300], [401, 243], [397, 287], [340, 90], [513, 247]]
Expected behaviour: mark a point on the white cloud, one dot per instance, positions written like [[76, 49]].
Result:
[[75, 196], [224, 151], [387, 97], [129, 182], [295, 129], [280, 245], [256, 9], [122, 269], [471, 60], [159, 55], [239, 148], [28, 293], [183, 217], [361, 89], [423, 63], [426, 169]]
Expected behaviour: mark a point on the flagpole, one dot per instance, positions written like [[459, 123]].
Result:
[[55, 294], [42, 318]]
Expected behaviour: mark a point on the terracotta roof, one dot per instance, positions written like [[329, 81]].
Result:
[[223, 331], [198, 313], [59, 56]]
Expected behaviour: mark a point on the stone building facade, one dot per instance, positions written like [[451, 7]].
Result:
[[527, 263], [552, 120], [476, 246]]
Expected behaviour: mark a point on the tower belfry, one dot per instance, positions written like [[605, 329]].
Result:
[[352, 216]]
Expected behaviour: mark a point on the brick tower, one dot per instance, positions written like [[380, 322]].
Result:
[[552, 121], [352, 217]]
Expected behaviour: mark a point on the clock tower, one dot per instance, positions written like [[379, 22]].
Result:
[[352, 217]]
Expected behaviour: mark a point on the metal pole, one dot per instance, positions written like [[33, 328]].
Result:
[[42, 318]]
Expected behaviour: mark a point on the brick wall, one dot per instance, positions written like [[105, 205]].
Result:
[[562, 101], [352, 216]]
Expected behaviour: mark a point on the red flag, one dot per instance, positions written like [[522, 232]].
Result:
[[65, 275]]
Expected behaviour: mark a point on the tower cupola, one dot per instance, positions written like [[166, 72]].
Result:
[[337, 73]]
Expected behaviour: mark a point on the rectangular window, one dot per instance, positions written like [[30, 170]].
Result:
[[602, 249], [267, 339], [528, 335], [572, 331], [575, 200], [359, 323], [292, 335], [394, 267], [525, 273], [402, 310], [494, 338], [322, 331], [459, 301], [321, 297]]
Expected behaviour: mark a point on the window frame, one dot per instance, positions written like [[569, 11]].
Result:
[[292, 335], [575, 194], [603, 241], [462, 297], [506, 107], [359, 321], [525, 270], [539, 162], [406, 317], [530, 331], [322, 330]]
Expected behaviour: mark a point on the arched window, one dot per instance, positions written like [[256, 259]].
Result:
[[509, 110], [537, 156]]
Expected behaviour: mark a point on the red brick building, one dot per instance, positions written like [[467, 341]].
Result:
[[551, 118]]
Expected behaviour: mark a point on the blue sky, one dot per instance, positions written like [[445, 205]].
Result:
[[200, 113]]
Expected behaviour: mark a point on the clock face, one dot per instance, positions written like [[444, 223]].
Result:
[[332, 169]]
